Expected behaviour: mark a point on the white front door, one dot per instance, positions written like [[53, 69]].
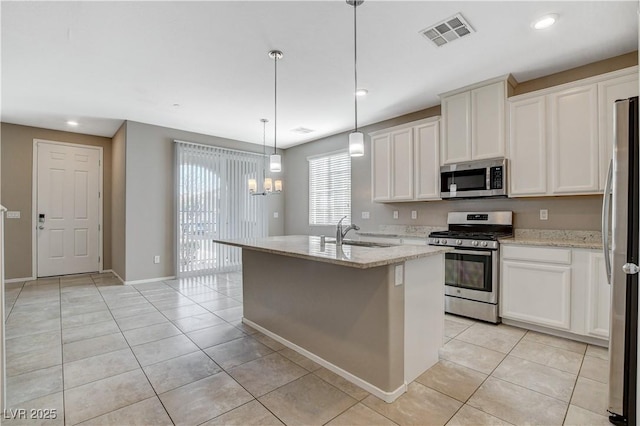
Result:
[[67, 209]]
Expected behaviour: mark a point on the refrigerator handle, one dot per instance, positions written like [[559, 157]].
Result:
[[606, 207]]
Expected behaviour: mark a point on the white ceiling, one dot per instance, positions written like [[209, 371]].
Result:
[[103, 62]]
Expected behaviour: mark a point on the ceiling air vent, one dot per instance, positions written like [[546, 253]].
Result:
[[448, 30], [302, 130]]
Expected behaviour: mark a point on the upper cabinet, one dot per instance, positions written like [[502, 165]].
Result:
[[561, 138], [405, 162], [473, 121]]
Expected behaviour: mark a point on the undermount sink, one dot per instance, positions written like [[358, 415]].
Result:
[[360, 243]]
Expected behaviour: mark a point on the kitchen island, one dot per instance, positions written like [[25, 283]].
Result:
[[373, 315]]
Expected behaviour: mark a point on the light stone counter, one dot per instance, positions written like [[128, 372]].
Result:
[[402, 231], [555, 238], [309, 247]]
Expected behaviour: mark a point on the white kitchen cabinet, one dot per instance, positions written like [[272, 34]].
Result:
[[528, 147], [405, 162], [536, 292], [551, 288], [561, 138], [426, 139], [609, 91], [573, 140], [473, 121]]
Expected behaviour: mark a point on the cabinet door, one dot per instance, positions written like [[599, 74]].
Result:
[[402, 165], [456, 128], [381, 167], [608, 92], [536, 293], [598, 298], [427, 161], [527, 147], [573, 137], [487, 121]]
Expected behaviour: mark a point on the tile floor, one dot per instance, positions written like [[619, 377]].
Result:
[[176, 352]]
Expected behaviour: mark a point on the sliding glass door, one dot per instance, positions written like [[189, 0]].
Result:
[[213, 202]]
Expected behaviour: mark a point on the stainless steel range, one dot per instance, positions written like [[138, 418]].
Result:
[[471, 270]]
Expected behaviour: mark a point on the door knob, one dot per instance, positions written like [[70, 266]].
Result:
[[630, 268]]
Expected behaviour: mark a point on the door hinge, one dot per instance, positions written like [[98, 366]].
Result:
[[98, 227], [98, 194], [98, 258]]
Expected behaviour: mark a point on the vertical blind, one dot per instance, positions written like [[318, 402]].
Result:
[[329, 188], [213, 202]]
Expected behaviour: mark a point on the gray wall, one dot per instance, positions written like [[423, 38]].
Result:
[[17, 189], [149, 198], [118, 201], [577, 212]]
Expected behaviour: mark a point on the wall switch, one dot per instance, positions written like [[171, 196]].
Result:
[[13, 215], [395, 214], [156, 259], [365, 215], [275, 215], [414, 214], [399, 274], [544, 214]]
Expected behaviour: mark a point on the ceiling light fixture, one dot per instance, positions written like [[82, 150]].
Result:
[[356, 138], [362, 92], [72, 123], [545, 21], [275, 161], [267, 183]]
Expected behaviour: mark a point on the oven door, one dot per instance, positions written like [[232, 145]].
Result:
[[472, 274]]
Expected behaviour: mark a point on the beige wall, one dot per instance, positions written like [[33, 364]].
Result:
[[149, 209], [118, 203], [16, 181], [578, 212]]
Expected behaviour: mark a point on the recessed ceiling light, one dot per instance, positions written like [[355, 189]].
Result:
[[176, 105], [72, 123], [545, 22], [361, 92]]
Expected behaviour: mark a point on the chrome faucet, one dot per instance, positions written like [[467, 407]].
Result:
[[340, 233]]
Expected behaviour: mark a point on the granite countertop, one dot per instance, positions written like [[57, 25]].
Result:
[[555, 238], [308, 247], [402, 231]]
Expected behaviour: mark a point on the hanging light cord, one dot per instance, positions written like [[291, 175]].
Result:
[[355, 62], [275, 104]]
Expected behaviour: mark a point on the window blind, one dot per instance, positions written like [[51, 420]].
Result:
[[329, 188], [213, 202]]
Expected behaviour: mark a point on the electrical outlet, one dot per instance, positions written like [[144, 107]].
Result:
[[365, 215], [414, 214], [156, 259], [395, 214], [276, 215], [544, 214]]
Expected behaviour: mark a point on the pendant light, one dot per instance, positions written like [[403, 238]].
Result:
[[267, 183], [356, 138], [275, 161]]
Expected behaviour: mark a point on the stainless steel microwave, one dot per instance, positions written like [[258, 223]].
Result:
[[474, 179]]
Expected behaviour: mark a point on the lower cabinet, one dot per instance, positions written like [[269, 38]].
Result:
[[560, 288]]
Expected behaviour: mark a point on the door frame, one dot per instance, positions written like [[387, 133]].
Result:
[[34, 202]]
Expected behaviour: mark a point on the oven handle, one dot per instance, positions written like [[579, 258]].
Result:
[[479, 253]]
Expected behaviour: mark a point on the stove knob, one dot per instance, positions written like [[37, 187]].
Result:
[[474, 243], [443, 242], [459, 242], [484, 244], [436, 241]]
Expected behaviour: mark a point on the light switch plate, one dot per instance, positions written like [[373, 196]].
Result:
[[156, 259], [365, 215], [544, 214], [399, 272], [13, 215], [275, 215], [395, 214], [414, 214]]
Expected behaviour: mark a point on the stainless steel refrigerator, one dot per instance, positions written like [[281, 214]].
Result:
[[621, 233]]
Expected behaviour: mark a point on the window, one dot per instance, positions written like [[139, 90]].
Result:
[[213, 202], [329, 188]]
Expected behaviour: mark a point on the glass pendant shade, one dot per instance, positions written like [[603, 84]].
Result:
[[268, 185], [278, 185], [275, 163], [356, 144], [253, 186]]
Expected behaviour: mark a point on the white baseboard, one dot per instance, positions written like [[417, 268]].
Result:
[[372, 389], [116, 274], [150, 280], [559, 333], [19, 280]]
